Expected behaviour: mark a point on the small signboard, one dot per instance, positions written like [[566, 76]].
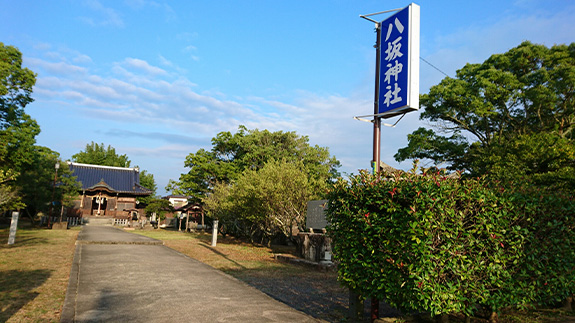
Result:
[[316, 214], [399, 63]]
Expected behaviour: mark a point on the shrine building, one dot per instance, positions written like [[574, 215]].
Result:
[[106, 191]]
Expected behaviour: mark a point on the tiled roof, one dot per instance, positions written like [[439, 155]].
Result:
[[115, 179]]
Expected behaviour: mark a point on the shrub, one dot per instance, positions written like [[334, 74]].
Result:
[[443, 245]]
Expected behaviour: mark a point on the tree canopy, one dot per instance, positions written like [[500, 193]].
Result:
[[17, 130], [510, 116], [16, 85], [263, 204], [99, 154], [147, 180], [258, 183], [26, 170], [231, 154]]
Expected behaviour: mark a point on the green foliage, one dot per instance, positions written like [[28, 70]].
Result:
[[159, 207], [426, 144], [147, 180], [17, 129], [98, 154], [16, 84], [9, 197], [26, 170], [509, 101], [231, 154], [263, 204], [542, 159], [37, 183], [444, 245]]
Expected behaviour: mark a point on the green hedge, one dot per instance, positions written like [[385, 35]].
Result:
[[442, 245]]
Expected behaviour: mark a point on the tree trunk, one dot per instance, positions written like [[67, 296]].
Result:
[[568, 304], [31, 218], [355, 307], [493, 318], [374, 309]]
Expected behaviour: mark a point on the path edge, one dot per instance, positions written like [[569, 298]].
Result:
[[69, 308]]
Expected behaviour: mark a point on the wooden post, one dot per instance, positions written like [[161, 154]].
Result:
[[203, 225]]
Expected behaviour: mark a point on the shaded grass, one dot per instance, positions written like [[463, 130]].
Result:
[[230, 255], [34, 274]]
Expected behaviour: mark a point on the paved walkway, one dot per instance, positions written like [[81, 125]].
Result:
[[118, 276]]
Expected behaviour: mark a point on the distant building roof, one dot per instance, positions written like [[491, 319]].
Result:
[[175, 197], [113, 179]]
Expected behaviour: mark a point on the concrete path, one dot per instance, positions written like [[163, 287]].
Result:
[[118, 276]]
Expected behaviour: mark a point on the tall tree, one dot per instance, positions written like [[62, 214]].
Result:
[[16, 85], [41, 182], [512, 115], [147, 180], [99, 154], [231, 154], [17, 130]]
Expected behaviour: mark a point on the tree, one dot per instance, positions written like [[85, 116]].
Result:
[[231, 154], [263, 204], [26, 169], [158, 207], [504, 116], [98, 154], [17, 129], [147, 180], [16, 85], [9, 197], [37, 183]]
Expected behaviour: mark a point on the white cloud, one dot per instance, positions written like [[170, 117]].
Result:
[[143, 66], [104, 16], [59, 68], [82, 59]]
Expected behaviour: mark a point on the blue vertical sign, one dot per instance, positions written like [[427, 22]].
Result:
[[399, 63]]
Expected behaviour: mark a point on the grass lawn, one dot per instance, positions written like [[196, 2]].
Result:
[[230, 255], [34, 273]]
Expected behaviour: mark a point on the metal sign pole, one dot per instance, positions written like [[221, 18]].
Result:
[[376, 140], [377, 119]]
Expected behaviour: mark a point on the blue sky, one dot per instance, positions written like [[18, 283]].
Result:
[[158, 79]]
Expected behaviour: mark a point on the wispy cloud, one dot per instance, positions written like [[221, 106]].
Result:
[[103, 16], [143, 66], [164, 112]]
